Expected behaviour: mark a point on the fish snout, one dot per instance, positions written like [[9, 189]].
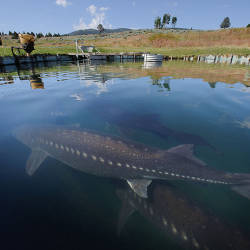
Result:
[[22, 132]]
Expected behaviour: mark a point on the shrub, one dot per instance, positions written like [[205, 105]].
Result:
[[161, 36]]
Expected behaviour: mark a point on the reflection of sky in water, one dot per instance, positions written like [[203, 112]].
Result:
[[245, 123]]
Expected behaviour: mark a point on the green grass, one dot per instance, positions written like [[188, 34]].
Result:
[[146, 43], [180, 51], [41, 50], [159, 36], [5, 51]]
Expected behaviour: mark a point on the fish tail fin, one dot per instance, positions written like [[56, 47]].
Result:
[[244, 187]]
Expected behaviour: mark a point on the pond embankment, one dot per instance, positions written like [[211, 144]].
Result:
[[227, 59], [10, 60]]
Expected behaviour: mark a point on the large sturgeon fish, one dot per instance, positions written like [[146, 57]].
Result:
[[181, 219], [114, 157]]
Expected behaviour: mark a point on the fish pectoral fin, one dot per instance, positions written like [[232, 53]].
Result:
[[34, 161], [126, 211], [186, 150], [140, 186], [244, 188]]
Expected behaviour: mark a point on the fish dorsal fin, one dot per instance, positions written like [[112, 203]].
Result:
[[35, 160], [126, 211], [140, 186], [186, 150]]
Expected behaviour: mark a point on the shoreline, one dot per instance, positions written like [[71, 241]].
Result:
[[213, 59]]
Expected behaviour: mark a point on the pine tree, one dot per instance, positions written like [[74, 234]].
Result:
[[14, 35], [39, 35], [174, 21], [225, 23], [158, 23], [48, 35], [166, 19], [100, 28]]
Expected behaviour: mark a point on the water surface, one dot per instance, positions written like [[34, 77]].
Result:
[[161, 107]]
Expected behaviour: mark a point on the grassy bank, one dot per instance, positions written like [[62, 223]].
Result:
[[180, 43], [180, 51], [166, 42], [6, 51], [40, 50]]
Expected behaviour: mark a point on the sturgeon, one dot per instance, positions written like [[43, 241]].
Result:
[[102, 155], [129, 122], [181, 219]]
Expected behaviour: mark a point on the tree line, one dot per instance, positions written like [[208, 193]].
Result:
[[226, 23], [161, 23], [14, 34]]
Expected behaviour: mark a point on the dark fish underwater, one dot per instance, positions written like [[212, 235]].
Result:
[[181, 219], [102, 155], [129, 122], [151, 123]]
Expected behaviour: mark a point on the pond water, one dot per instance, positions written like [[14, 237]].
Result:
[[47, 204]]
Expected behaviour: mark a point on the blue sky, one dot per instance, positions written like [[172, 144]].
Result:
[[64, 16]]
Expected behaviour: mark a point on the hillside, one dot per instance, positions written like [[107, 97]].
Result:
[[94, 31], [171, 42], [238, 37]]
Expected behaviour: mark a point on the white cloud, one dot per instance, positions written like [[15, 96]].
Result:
[[133, 3], [91, 9], [63, 3], [245, 123], [104, 8], [98, 17], [78, 97]]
